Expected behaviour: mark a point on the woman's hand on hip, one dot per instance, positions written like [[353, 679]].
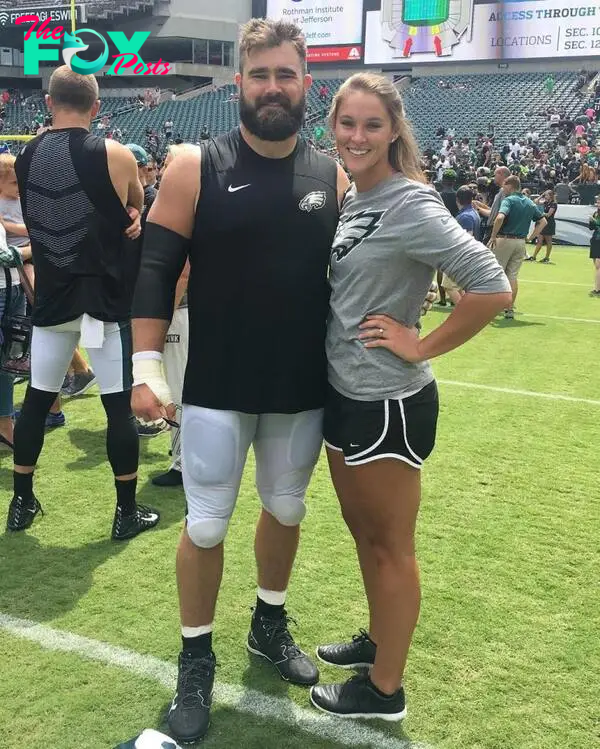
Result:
[[384, 332]]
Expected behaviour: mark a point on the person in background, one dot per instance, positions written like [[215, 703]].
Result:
[[509, 233], [595, 247], [83, 290], [548, 202], [490, 212], [470, 221], [12, 302], [448, 196], [11, 217]]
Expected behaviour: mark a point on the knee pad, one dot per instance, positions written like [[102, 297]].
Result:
[[208, 533], [287, 509]]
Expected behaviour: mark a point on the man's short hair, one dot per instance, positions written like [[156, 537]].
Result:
[[263, 33], [514, 182], [73, 91], [464, 195]]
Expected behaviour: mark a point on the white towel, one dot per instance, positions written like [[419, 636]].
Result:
[[92, 332]]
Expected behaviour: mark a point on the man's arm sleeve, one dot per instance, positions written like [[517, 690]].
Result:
[[163, 257]]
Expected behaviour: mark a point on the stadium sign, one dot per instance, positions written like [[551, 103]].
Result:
[[127, 61], [54, 14]]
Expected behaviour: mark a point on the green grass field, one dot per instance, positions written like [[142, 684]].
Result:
[[506, 655]]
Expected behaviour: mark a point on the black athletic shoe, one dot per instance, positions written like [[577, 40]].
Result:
[[21, 513], [360, 653], [171, 478], [128, 526], [189, 715], [356, 698], [272, 639]]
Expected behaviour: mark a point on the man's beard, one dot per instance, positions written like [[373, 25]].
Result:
[[272, 123]]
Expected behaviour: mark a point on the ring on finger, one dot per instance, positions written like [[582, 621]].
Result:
[[381, 331]]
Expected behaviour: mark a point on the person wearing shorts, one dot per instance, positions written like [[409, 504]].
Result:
[[79, 194], [549, 204], [382, 405], [595, 247], [510, 231]]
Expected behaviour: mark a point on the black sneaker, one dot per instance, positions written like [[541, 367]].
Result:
[[360, 653], [128, 526], [22, 513], [189, 715], [272, 639], [171, 478], [356, 698]]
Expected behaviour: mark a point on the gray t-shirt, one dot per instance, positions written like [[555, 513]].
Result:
[[495, 207], [10, 210], [388, 243]]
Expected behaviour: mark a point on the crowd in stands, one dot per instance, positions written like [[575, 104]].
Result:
[[570, 156], [564, 155]]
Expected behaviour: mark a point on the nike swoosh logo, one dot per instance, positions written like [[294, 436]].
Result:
[[353, 445], [235, 189]]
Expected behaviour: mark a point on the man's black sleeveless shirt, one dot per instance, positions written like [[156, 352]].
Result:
[[258, 292], [75, 219]]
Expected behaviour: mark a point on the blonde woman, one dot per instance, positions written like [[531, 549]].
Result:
[[382, 407]]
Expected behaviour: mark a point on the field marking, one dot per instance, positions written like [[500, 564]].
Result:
[[348, 733], [556, 283], [512, 391], [554, 317]]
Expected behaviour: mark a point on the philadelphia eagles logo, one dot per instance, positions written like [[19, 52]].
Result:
[[354, 230], [313, 201]]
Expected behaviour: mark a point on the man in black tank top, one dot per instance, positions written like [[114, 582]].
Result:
[[79, 194], [256, 212]]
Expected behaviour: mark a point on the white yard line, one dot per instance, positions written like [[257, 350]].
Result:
[[264, 706], [555, 317], [513, 391]]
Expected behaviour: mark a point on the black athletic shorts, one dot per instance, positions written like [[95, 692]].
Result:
[[400, 428], [595, 249]]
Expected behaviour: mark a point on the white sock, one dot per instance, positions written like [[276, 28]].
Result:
[[189, 632], [272, 597]]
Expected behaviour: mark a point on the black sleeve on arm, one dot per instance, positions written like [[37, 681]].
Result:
[[163, 257]]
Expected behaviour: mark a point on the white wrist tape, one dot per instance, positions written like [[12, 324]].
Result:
[[145, 355], [150, 372]]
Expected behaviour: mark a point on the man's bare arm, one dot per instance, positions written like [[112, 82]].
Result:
[[174, 209], [122, 168], [497, 226]]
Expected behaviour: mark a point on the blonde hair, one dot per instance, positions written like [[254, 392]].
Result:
[[404, 155], [73, 91], [264, 33], [7, 166]]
